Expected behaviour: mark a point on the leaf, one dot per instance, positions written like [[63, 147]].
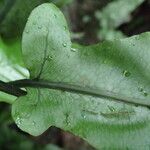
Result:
[[14, 13], [113, 15], [110, 18], [11, 65], [110, 34], [48, 33], [118, 68]]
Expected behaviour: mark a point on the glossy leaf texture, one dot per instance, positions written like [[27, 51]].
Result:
[[11, 65], [119, 67]]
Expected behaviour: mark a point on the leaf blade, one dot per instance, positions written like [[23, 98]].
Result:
[[120, 66]]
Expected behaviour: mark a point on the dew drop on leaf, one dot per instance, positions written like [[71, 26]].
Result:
[[67, 119], [111, 108], [83, 115], [145, 93], [39, 27], [140, 89], [64, 45], [49, 58], [33, 123], [73, 49], [18, 121], [126, 73], [65, 27], [27, 31]]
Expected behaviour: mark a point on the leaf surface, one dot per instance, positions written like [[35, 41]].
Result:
[[117, 68]]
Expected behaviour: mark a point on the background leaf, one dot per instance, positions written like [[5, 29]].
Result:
[[113, 15], [11, 65], [120, 67], [14, 15]]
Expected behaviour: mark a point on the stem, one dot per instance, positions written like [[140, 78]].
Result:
[[78, 89], [11, 89]]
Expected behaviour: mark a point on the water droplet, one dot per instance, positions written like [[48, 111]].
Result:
[[67, 119], [18, 121], [39, 27], [65, 27], [145, 93], [140, 89], [27, 31], [111, 108], [73, 49], [33, 123], [83, 115], [126, 73], [64, 45], [49, 58]]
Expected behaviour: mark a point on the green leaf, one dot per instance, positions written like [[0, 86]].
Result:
[[45, 38], [11, 65], [113, 15], [108, 34], [116, 69], [14, 15]]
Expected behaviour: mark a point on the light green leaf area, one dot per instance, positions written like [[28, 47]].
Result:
[[117, 12], [11, 65], [118, 68], [108, 34]]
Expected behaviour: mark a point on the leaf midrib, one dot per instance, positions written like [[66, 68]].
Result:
[[100, 93], [45, 54]]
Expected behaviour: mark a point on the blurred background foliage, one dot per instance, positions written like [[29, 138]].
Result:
[[90, 21]]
